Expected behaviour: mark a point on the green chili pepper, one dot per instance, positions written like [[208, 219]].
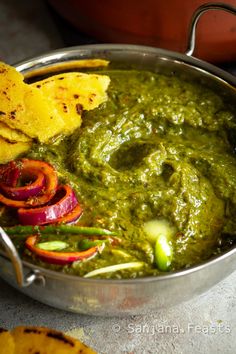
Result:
[[86, 243], [163, 253], [57, 229]]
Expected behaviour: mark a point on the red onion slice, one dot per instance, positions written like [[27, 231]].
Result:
[[60, 257], [10, 173], [27, 191], [71, 217], [51, 182], [47, 193], [50, 213]]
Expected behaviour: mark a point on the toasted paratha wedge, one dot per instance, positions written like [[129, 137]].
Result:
[[49, 107], [12, 135], [10, 150], [71, 65], [7, 344], [25, 108], [71, 93], [42, 340]]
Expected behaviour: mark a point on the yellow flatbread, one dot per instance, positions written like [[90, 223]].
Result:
[[49, 107], [25, 108], [9, 151], [71, 93], [69, 65], [12, 135], [7, 345], [29, 340]]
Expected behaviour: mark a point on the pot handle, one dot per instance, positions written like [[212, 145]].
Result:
[[12, 253], [196, 16]]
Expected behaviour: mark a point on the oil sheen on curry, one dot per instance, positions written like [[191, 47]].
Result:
[[154, 165]]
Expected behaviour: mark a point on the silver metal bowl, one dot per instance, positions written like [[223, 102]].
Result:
[[132, 296]]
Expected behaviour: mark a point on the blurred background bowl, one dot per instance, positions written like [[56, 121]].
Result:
[[162, 24]]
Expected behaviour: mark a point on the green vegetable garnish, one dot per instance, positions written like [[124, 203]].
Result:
[[86, 243], [52, 245], [163, 253], [57, 229]]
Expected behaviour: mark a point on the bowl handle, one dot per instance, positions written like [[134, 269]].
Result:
[[196, 16], [22, 281]]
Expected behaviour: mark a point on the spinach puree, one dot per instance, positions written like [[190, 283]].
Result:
[[158, 149]]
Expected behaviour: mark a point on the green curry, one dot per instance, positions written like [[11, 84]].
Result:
[[155, 159]]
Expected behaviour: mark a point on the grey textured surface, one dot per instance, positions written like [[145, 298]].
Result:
[[203, 325]]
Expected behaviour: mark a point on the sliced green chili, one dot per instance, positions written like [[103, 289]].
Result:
[[52, 245], [86, 243], [163, 253]]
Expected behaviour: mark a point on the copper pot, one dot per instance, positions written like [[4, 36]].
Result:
[[162, 24]]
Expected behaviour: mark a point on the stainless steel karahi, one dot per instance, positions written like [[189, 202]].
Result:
[[134, 296]]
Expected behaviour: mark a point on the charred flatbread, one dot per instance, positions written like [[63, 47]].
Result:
[[40, 340], [71, 93]]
